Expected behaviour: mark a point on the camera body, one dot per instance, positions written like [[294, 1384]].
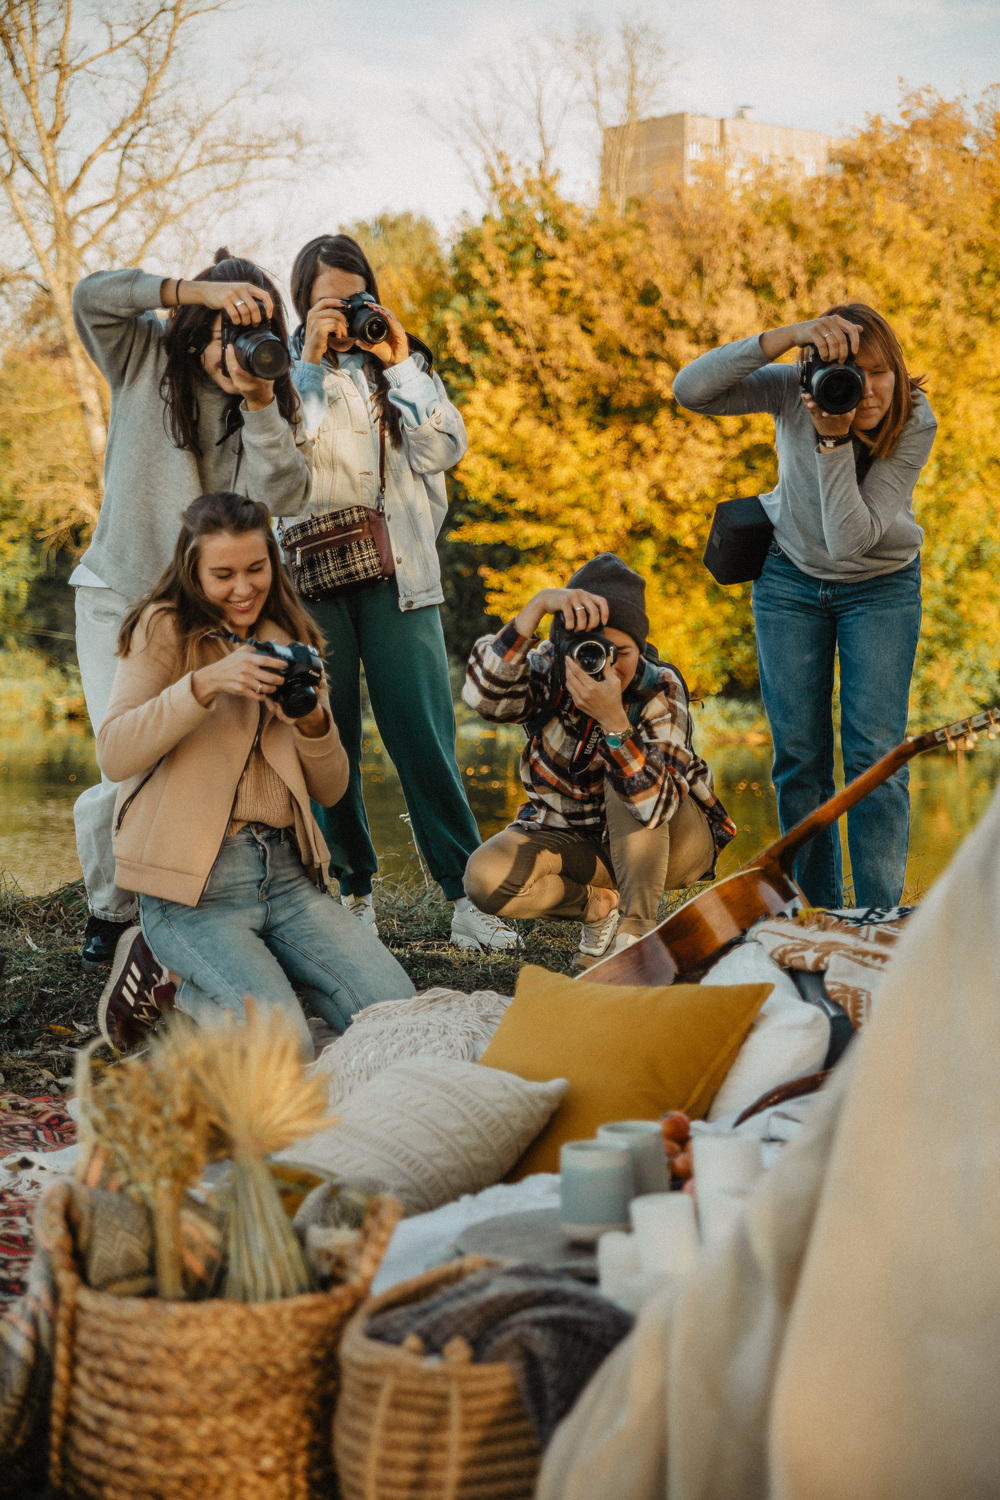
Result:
[[590, 649], [364, 322], [303, 671], [835, 387], [257, 349]]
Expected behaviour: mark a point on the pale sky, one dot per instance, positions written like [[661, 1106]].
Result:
[[366, 64]]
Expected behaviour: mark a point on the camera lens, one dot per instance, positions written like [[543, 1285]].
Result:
[[590, 656], [262, 354], [373, 328], [297, 699], [838, 388]]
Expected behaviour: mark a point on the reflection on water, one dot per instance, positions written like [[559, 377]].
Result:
[[42, 772]]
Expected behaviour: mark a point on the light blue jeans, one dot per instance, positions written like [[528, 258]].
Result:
[[873, 626], [260, 924]]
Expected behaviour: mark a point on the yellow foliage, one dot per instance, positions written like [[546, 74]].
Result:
[[567, 326]]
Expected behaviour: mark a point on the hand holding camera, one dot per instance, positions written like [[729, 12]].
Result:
[[284, 678], [344, 323]]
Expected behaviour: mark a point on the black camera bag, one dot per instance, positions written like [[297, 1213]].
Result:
[[738, 541]]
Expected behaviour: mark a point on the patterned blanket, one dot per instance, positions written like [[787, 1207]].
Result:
[[851, 949], [25, 1125]]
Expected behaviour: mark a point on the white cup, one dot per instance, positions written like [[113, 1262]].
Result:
[[666, 1233], [595, 1186], [644, 1141]]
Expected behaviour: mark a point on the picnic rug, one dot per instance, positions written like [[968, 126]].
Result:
[[26, 1326], [41, 1124]]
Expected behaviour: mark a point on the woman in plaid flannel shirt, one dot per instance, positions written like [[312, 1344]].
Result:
[[620, 808]]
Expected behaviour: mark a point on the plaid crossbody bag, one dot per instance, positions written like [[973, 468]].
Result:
[[352, 547]]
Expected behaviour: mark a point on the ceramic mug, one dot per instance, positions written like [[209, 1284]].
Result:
[[595, 1187], [644, 1140]]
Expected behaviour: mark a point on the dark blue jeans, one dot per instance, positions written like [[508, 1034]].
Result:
[[801, 622]]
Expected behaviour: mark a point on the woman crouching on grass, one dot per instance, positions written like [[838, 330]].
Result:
[[213, 825]]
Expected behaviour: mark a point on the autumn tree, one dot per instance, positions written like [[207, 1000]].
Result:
[[111, 141], [567, 324]]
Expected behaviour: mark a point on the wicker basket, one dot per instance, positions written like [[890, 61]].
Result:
[[415, 1428], [156, 1400]]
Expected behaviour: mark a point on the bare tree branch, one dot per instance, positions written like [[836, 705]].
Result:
[[109, 140]]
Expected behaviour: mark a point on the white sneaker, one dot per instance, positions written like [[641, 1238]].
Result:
[[596, 937], [362, 908], [476, 929], [622, 941]]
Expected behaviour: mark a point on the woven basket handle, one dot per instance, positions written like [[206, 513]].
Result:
[[54, 1236], [384, 1213]]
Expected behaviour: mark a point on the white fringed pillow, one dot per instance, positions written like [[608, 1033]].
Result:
[[431, 1129], [438, 1023]]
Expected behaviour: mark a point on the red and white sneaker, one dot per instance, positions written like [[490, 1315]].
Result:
[[137, 995]]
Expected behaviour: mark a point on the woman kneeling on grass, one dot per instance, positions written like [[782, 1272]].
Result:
[[213, 826]]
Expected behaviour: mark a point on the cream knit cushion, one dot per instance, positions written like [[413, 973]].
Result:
[[440, 1022], [432, 1128]]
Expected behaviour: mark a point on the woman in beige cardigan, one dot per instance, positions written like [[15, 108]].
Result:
[[213, 825]]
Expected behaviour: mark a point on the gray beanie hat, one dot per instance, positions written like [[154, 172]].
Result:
[[624, 590]]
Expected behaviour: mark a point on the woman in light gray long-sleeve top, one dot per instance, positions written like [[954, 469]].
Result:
[[841, 579], [181, 425]]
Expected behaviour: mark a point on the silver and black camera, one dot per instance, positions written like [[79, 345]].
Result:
[[303, 671], [590, 649]]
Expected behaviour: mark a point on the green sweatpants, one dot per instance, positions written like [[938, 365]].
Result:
[[406, 669]]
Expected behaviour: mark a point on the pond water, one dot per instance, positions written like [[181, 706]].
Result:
[[43, 771]]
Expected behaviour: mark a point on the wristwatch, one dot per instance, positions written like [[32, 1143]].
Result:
[[615, 741], [834, 442]]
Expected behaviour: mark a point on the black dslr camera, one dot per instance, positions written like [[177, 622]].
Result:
[[363, 321], [257, 348], [590, 649], [836, 388], [303, 671]]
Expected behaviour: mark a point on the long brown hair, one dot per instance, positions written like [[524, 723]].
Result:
[[178, 588], [189, 332], [339, 252], [878, 339]]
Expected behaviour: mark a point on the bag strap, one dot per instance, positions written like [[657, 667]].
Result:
[[380, 507]]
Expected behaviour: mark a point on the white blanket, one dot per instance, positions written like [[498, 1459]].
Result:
[[844, 1343]]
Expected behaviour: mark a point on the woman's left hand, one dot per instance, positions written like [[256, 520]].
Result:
[[256, 393], [600, 698], [825, 423], [313, 725], [394, 349]]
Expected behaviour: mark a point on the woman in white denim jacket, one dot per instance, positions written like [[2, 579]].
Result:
[[393, 627]]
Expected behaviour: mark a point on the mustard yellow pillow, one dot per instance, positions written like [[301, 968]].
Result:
[[630, 1052]]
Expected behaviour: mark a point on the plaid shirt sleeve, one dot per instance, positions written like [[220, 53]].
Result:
[[655, 767], [499, 682]]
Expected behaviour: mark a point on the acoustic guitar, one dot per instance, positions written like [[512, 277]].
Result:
[[704, 927]]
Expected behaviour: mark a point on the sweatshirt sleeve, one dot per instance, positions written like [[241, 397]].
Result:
[[277, 461], [854, 520], [113, 312], [151, 707], [433, 430], [735, 380], [500, 683]]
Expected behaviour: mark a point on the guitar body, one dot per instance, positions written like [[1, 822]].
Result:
[[701, 929]]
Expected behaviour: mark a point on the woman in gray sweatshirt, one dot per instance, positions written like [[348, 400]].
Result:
[[183, 423], [842, 579]]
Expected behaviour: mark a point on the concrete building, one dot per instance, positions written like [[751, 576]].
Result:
[[651, 156]]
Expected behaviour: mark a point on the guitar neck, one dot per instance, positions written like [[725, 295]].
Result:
[[781, 854]]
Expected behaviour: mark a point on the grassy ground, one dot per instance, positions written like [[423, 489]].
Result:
[[48, 1004]]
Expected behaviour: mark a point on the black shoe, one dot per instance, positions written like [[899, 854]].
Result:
[[100, 939]]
